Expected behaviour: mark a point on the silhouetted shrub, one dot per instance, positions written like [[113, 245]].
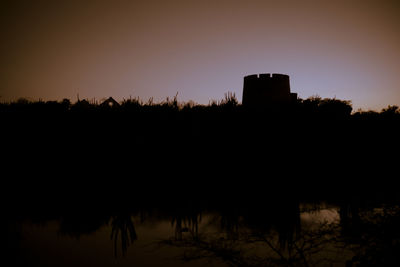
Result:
[[330, 107], [335, 107], [391, 110]]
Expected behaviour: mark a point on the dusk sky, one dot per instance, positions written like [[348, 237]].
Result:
[[199, 48]]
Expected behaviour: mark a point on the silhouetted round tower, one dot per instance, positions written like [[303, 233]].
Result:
[[266, 90]]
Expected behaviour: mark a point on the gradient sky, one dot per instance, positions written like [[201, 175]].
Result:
[[201, 49]]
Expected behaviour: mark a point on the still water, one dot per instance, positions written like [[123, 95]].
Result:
[[299, 234]]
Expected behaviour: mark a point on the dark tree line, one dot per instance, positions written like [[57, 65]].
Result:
[[310, 107], [316, 145]]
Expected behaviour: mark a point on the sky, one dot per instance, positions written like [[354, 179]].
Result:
[[199, 49]]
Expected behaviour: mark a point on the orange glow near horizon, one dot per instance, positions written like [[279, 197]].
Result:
[[200, 49]]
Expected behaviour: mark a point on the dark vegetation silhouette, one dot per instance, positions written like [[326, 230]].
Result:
[[90, 164], [314, 144]]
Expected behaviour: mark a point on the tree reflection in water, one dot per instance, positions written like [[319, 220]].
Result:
[[264, 238], [358, 233], [123, 226], [188, 222]]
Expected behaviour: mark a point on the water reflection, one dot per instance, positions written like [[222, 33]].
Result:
[[123, 226], [264, 237], [290, 233]]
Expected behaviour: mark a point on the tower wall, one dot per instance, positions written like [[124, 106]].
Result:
[[266, 90]]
